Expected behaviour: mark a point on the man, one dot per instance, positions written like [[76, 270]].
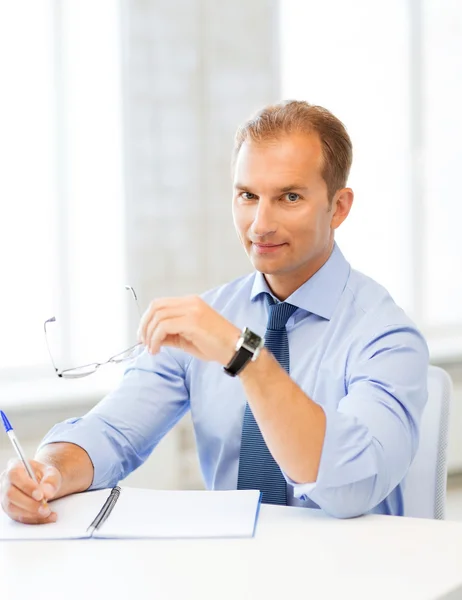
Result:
[[325, 415]]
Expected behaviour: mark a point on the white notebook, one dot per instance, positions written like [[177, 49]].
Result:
[[125, 512]]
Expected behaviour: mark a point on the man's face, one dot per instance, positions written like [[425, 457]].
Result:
[[280, 205]]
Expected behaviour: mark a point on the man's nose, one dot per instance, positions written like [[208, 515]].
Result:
[[263, 222]]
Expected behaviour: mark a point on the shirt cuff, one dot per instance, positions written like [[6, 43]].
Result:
[[302, 491], [106, 467], [342, 461]]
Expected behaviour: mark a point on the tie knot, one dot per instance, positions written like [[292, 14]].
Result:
[[279, 313]]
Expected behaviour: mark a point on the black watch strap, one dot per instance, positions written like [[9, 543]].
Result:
[[238, 362]]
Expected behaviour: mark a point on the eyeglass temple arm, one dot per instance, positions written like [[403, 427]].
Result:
[[130, 289], [51, 320]]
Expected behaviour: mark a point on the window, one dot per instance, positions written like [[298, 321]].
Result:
[[391, 72], [61, 190]]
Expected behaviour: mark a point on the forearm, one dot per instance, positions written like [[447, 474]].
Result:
[[292, 424], [72, 462]]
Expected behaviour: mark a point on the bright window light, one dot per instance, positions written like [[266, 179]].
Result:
[[28, 192], [338, 54], [61, 189], [391, 72]]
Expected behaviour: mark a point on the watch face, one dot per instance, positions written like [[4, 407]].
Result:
[[251, 339]]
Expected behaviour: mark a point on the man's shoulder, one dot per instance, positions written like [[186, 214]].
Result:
[[224, 295], [374, 308], [369, 296]]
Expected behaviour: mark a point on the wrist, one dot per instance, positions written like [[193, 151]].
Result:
[[253, 367], [247, 349], [72, 464], [229, 347]]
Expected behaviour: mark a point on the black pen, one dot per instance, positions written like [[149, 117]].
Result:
[[105, 510]]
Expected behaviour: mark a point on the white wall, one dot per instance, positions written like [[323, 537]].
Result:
[[391, 71], [190, 77]]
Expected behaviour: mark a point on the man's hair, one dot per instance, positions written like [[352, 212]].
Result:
[[292, 116]]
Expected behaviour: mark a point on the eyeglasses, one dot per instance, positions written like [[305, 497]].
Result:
[[85, 370]]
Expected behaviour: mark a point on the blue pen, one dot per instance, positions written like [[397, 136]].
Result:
[[19, 451]]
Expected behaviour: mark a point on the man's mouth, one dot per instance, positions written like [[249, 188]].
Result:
[[266, 248]]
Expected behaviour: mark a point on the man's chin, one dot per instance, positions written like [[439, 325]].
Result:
[[266, 265]]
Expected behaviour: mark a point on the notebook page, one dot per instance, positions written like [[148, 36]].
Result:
[[143, 513], [75, 514]]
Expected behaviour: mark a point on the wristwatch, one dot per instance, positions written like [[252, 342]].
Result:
[[248, 348]]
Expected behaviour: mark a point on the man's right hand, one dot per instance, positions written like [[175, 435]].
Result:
[[21, 498]]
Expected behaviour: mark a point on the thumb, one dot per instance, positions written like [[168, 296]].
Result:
[[50, 482]]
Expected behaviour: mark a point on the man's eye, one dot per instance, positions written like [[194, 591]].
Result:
[[248, 196], [292, 197]]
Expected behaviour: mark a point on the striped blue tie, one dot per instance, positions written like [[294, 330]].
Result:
[[257, 468]]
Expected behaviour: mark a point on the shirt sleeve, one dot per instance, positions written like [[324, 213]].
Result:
[[372, 436], [121, 431]]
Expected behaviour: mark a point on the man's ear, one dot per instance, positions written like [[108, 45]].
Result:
[[341, 206]]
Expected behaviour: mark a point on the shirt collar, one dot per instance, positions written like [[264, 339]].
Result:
[[321, 293]]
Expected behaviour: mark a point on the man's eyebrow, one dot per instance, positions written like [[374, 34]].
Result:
[[295, 186], [287, 188]]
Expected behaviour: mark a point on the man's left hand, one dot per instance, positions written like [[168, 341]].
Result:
[[190, 324]]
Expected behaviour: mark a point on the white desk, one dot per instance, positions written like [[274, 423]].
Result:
[[296, 553]]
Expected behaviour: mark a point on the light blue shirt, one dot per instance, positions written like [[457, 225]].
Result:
[[352, 350]]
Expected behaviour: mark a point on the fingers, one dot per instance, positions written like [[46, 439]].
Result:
[[22, 508], [33, 521], [180, 306], [172, 329], [30, 518], [19, 499], [50, 482], [49, 479], [22, 498], [148, 314], [17, 475], [161, 315]]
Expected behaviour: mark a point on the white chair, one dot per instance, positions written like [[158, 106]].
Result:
[[425, 483]]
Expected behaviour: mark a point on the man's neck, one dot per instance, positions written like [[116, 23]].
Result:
[[283, 285]]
